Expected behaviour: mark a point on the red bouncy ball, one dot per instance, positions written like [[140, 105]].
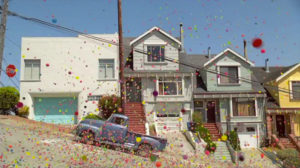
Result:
[[263, 51], [257, 42], [158, 164]]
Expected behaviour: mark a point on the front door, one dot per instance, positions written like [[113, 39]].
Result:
[[280, 125], [133, 91], [211, 106]]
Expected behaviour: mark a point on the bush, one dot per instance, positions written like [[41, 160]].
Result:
[[290, 157], [197, 117], [23, 111], [234, 140], [92, 116], [108, 105], [205, 135], [9, 97]]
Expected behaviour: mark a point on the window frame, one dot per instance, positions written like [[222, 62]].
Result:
[[93, 97], [255, 107], [106, 65], [177, 88], [32, 62], [155, 45], [219, 74], [291, 90]]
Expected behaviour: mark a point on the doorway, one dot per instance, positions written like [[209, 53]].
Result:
[[211, 107], [280, 125], [133, 91]]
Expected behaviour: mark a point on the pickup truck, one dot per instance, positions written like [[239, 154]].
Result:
[[114, 131]]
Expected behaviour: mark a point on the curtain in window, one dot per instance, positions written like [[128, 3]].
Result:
[[243, 107]]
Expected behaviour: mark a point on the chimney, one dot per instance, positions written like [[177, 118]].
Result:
[[266, 65], [181, 38], [208, 52], [245, 50]]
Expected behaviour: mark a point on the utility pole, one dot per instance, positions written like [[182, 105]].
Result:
[[121, 55], [2, 30]]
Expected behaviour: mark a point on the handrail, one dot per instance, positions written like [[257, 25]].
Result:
[[232, 152], [276, 140], [294, 141]]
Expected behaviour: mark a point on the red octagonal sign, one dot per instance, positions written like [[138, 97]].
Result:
[[11, 70]]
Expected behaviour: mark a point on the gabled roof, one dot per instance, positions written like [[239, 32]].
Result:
[[287, 72], [230, 50], [155, 29]]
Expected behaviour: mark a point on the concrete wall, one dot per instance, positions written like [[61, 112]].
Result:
[[77, 55], [155, 38]]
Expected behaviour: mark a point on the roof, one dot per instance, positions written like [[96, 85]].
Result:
[[274, 72], [287, 72], [230, 50], [155, 29], [189, 62]]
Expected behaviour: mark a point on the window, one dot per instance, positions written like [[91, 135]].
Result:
[[198, 104], [32, 70], [295, 86], [170, 86], [94, 98], [243, 107], [168, 109], [106, 69], [119, 121], [156, 53], [250, 129], [228, 75]]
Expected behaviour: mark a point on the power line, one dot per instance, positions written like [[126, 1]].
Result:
[[143, 52]]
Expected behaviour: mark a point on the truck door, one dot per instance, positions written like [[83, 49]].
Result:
[[115, 130]]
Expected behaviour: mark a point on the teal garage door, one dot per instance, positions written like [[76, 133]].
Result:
[[58, 110]]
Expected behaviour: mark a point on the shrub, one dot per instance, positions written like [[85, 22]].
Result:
[[109, 105], [152, 130], [197, 117], [92, 116], [23, 111], [234, 140], [9, 97], [290, 157], [205, 135]]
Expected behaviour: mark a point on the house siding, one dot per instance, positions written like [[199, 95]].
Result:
[[171, 51], [228, 59]]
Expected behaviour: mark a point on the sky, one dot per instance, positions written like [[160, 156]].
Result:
[[216, 23]]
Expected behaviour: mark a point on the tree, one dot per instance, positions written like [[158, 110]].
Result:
[[9, 97], [108, 105]]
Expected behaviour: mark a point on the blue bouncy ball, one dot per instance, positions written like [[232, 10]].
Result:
[[54, 20]]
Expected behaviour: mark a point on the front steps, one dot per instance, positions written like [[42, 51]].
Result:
[[213, 130], [222, 153], [137, 118]]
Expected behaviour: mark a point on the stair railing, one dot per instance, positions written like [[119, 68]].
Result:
[[293, 139], [276, 141]]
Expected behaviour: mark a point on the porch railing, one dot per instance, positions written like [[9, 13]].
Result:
[[295, 141]]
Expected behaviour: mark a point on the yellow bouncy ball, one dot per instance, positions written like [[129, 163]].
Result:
[[224, 137], [138, 139]]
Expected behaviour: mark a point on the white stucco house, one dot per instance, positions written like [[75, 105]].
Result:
[[62, 78]]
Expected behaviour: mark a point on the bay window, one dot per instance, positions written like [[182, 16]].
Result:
[[243, 107], [170, 86]]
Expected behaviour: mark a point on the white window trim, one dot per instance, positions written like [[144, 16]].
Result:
[[29, 80], [291, 89], [231, 108], [114, 70], [146, 55], [177, 95], [228, 84]]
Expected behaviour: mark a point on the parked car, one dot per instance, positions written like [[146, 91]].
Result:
[[114, 131], [11, 111]]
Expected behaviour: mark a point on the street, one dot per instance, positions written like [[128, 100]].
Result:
[[38, 145]]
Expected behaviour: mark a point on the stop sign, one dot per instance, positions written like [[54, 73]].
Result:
[[11, 70]]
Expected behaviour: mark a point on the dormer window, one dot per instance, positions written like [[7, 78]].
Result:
[[156, 53], [228, 75]]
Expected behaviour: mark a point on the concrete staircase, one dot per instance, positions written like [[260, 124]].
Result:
[[287, 143], [213, 130], [222, 153], [137, 118]]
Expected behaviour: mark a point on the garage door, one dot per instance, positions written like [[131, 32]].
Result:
[[248, 139], [59, 110]]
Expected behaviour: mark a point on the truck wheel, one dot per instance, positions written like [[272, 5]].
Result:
[[145, 150], [87, 137]]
